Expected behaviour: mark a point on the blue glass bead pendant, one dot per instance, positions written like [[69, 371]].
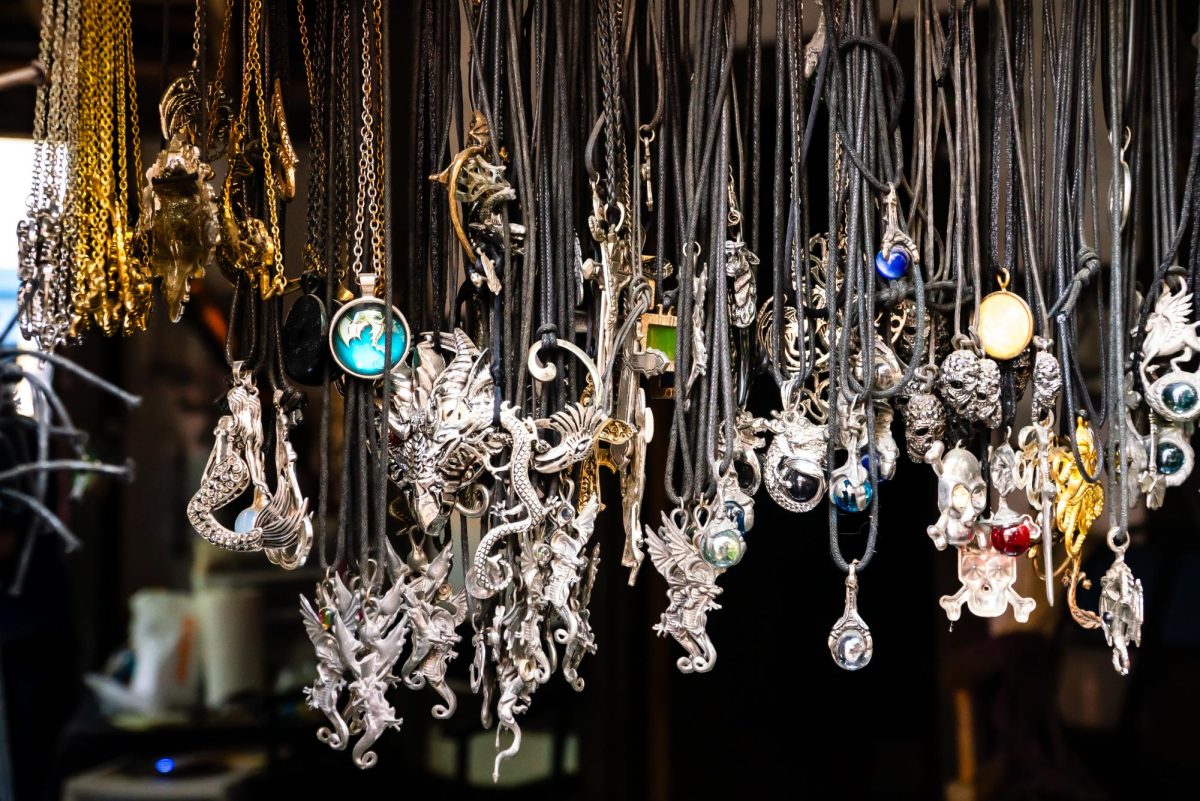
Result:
[[897, 251]]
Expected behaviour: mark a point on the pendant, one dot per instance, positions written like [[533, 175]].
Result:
[[356, 337], [742, 266], [1122, 607], [1004, 323], [654, 353], [897, 251], [1169, 334], [181, 223], [1010, 533], [962, 496], [1175, 397], [303, 339], [850, 642], [850, 487], [1047, 381], [441, 424], [1077, 502], [691, 588], [970, 385], [795, 461], [987, 578], [234, 464]]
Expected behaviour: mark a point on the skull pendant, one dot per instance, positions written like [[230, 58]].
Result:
[[987, 578], [962, 496]]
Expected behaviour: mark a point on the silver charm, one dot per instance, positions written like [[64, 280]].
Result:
[[691, 589], [1047, 381], [1175, 396], [898, 252], [924, 417], [325, 694], [1167, 460], [987, 578], [1036, 442], [441, 421], [490, 572], [970, 385], [795, 461], [1169, 332], [567, 562], [1010, 533], [962, 496], [741, 265], [1122, 607], [286, 523], [699, 344], [850, 642], [434, 614], [234, 463], [359, 634]]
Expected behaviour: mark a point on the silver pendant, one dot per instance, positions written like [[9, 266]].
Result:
[[1047, 381], [286, 523], [741, 265], [1032, 472], [970, 385], [699, 344], [1009, 532], [435, 612], [359, 637], [1122, 608], [987, 578], [441, 424], [691, 589], [1169, 333], [795, 460], [233, 465], [962, 496], [850, 642]]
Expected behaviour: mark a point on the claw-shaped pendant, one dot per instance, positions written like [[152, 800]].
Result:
[[850, 641]]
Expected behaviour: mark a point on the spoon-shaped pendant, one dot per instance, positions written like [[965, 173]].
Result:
[[850, 640]]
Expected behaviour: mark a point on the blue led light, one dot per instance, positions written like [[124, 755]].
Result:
[[164, 765]]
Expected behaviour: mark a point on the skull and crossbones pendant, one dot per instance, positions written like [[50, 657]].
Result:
[[987, 578]]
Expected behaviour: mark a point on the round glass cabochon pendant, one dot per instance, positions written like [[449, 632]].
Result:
[[358, 337], [1005, 325]]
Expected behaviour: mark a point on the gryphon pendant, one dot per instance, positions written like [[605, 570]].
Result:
[[691, 589]]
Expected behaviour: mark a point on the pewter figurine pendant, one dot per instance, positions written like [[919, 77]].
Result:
[[850, 640]]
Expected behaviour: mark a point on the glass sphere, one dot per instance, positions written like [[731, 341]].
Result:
[[851, 650], [722, 546]]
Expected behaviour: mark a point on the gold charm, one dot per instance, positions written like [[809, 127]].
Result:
[[1005, 323], [288, 160], [1077, 505]]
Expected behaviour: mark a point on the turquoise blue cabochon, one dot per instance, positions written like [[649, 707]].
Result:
[[358, 338]]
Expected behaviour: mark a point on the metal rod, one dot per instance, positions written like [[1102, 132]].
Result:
[[32, 75]]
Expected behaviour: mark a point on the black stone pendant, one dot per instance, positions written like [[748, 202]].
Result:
[[304, 335]]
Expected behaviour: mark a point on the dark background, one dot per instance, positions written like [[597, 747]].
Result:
[[1024, 716]]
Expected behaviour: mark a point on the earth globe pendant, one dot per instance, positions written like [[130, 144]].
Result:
[[358, 338], [1005, 325]]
